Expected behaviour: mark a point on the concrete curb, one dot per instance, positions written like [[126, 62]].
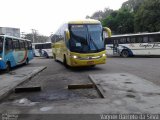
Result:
[[98, 87], [10, 88]]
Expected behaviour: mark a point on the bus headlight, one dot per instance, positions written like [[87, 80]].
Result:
[[103, 55], [74, 56], [0, 58]]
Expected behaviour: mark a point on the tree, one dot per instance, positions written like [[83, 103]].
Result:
[[148, 16], [111, 22], [133, 16], [120, 22], [37, 37], [132, 5], [99, 15]]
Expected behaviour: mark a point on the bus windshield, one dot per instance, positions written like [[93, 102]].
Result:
[[86, 38], [43, 46], [1, 46]]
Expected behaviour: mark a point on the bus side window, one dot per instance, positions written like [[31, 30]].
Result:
[[139, 40], [108, 41], [47, 46], [22, 45], [17, 44], [36, 46], [30, 46], [133, 40], [26, 45], [8, 44], [157, 38], [123, 40], [129, 40], [1, 44], [151, 39], [145, 39], [42, 46]]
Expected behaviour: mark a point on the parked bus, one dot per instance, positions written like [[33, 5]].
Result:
[[42, 49], [134, 44], [14, 51], [80, 43]]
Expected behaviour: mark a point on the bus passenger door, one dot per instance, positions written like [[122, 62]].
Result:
[[115, 47]]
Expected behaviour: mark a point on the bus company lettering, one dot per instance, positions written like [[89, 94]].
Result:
[[150, 45], [156, 45]]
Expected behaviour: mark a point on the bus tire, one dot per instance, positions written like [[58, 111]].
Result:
[[27, 61], [92, 66], [125, 53], [65, 62], [54, 57], [8, 67], [45, 55]]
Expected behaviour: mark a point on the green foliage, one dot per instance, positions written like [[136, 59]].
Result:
[[98, 15], [134, 16], [37, 37], [120, 22], [147, 17], [132, 5]]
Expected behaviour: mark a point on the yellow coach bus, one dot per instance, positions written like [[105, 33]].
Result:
[[80, 43]]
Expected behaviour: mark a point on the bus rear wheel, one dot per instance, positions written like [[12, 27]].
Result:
[[27, 61], [125, 53]]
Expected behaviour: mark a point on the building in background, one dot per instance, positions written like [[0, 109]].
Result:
[[10, 31]]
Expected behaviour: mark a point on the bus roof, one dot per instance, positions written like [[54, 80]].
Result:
[[137, 34], [14, 37], [85, 21]]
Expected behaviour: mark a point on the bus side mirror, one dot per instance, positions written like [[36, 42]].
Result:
[[108, 31], [67, 34]]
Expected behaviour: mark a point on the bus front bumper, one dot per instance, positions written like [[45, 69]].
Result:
[[79, 62], [2, 65]]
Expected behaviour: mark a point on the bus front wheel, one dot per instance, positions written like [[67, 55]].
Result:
[[125, 53], [54, 57], [8, 66], [65, 62]]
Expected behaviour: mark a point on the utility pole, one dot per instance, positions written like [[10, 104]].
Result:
[[33, 35], [22, 34]]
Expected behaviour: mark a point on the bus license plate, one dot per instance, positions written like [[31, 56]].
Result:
[[90, 62]]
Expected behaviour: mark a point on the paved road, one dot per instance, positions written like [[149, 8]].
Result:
[[56, 77]]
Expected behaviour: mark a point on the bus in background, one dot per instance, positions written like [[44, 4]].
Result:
[[14, 51], [42, 49], [80, 43], [134, 44]]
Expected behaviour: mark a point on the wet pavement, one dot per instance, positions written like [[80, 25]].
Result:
[[9, 81], [124, 93], [129, 91], [136, 92]]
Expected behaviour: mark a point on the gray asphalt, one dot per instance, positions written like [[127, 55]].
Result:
[[56, 77]]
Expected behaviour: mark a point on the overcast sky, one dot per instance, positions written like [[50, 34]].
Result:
[[47, 15]]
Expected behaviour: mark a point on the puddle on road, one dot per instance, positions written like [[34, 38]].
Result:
[[128, 82], [53, 95], [130, 96], [44, 109], [24, 102], [12, 73], [132, 91], [22, 75], [64, 94]]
